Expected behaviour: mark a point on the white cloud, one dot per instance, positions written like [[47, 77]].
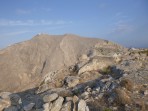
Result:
[[122, 27], [4, 22], [121, 24], [22, 11], [60, 22], [14, 33], [120, 16]]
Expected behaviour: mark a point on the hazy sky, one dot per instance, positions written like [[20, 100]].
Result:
[[122, 21]]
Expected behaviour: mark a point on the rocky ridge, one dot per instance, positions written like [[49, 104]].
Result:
[[107, 78], [28, 61]]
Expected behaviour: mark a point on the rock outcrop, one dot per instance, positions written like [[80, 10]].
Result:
[[29, 61], [106, 78]]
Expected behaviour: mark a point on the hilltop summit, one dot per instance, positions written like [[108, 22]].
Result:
[[23, 64]]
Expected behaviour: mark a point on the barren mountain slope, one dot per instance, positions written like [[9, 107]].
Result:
[[22, 65]]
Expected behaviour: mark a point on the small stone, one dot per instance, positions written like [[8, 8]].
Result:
[[88, 89], [85, 95], [146, 92], [57, 105], [87, 108], [112, 86], [68, 99], [67, 106], [50, 97], [84, 57], [50, 106], [100, 95], [81, 105], [124, 75], [98, 89], [135, 92], [46, 106], [72, 81], [4, 103], [115, 108], [29, 107], [15, 99], [96, 98], [106, 79], [75, 98], [5, 95]]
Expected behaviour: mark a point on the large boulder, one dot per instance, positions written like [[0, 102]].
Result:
[[96, 64]]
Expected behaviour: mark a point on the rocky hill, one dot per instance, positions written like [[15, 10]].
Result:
[[22, 65], [71, 73]]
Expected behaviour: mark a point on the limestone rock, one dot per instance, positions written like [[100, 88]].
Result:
[[61, 92], [96, 64], [5, 95], [35, 57], [146, 92], [50, 97], [84, 57], [75, 100], [4, 103], [47, 106], [57, 105], [72, 81], [117, 58], [67, 106], [69, 99], [82, 105]]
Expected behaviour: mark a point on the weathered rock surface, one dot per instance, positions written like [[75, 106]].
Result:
[[50, 97], [57, 105], [4, 103], [47, 106], [67, 106], [106, 78], [82, 105], [97, 63], [28, 61], [72, 81]]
